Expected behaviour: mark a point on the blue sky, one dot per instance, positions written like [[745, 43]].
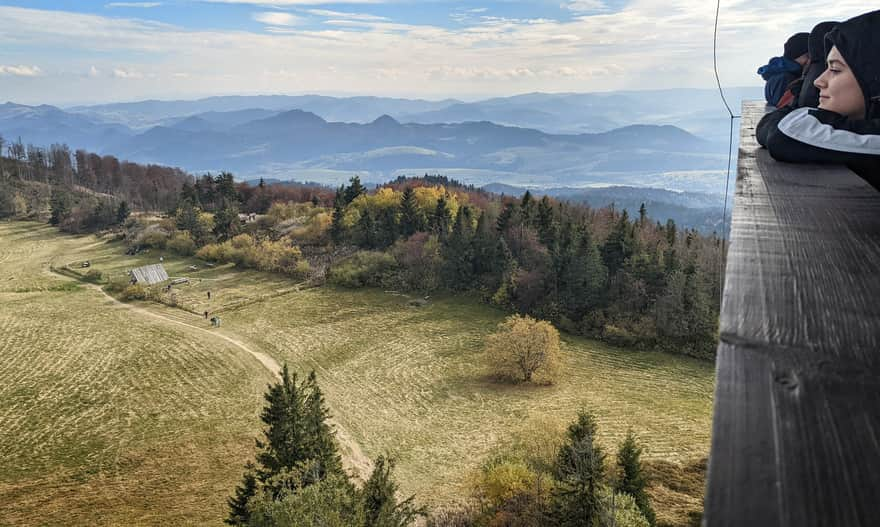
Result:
[[66, 51]]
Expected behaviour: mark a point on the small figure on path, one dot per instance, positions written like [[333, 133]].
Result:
[[209, 295], [206, 315]]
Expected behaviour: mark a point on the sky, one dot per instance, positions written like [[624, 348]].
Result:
[[84, 52]]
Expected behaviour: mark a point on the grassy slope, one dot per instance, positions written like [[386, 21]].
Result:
[[402, 380], [106, 418]]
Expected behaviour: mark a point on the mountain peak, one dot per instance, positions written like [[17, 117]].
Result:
[[385, 120], [300, 116]]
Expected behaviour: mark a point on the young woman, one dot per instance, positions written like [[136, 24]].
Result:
[[845, 128]]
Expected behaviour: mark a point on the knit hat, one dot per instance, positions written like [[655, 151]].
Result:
[[797, 45], [858, 40]]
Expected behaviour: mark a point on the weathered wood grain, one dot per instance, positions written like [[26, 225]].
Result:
[[796, 432]]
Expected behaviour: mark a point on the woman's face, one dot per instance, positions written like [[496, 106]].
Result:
[[839, 91]]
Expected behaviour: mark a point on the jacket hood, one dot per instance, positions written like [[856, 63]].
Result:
[[817, 41], [858, 40], [779, 65]]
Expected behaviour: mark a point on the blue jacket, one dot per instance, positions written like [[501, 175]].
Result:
[[778, 73]]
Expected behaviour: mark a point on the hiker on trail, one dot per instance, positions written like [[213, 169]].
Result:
[[845, 128], [809, 93], [209, 295], [206, 315], [779, 72]]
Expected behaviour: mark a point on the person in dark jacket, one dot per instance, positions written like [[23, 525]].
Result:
[[781, 71], [809, 93], [845, 128]]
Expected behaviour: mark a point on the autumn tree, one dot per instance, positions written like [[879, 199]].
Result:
[[524, 349]]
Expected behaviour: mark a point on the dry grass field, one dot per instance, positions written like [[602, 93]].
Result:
[[111, 417], [108, 418]]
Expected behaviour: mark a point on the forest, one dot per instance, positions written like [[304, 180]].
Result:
[[626, 279]]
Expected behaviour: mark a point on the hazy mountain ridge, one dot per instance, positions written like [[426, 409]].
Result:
[[625, 138]]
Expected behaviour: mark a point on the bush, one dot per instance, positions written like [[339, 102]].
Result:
[[134, 292], [364, 269], [182, 243], [524, 349], [93, 275]]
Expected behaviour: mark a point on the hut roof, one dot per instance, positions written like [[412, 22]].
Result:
[[149, 274]]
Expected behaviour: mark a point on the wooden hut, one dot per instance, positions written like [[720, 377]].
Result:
[[148, 274]]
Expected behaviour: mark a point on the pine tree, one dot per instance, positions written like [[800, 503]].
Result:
[[59, 206], [440, 219], [122, 212], [238, 511], [506, 218], [365, 231], [337, 229], [226, 222], [632, 478], [546, 223], [411, 220], [527, 208], [618, 246], [579, 472], [379, 496], [458, 252], [387, 227], [643, 214], [354, 190]]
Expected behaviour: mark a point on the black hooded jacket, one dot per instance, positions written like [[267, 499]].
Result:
[[810, 135], [809, 94]]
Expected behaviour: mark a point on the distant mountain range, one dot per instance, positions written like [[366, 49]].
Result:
[[672, 139]]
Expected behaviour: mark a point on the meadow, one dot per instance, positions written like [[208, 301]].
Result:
[[109, 416]]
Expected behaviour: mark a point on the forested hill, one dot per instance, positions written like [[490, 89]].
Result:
[[625, 279]]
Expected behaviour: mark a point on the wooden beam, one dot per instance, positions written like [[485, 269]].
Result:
[[796, 432]]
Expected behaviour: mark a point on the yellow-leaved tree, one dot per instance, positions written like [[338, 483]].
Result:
[[524, 350]]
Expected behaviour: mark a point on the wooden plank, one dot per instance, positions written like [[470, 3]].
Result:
[[796, 432]]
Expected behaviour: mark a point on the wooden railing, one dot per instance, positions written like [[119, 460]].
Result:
[[796, 433]]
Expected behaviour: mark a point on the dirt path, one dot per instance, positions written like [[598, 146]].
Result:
[[354, 460]]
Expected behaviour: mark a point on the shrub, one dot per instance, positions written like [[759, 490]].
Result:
[[93, 275], [182, 243], [134, 292], [364, 269], [524, 349]]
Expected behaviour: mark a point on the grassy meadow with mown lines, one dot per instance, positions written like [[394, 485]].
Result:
[[109, 417]]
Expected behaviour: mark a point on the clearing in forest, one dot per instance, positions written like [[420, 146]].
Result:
[[108, 397]]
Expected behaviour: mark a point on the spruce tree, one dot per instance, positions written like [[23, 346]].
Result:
[[506, 218], [440, 219], [411, 220], [579, 472], [546, 223], [365, 231], [632, 479], [238, 504], [122, 212], [337, 229], [59, 206], [354, 190], [527, 208], [379, 497], [458, 253]]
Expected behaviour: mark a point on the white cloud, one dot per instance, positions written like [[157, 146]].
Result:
[[122, 73], [349, 16], [274, 18], [648, 44], [585, 6], [145, 5], [21, 71], [94, 72], [293, 2]]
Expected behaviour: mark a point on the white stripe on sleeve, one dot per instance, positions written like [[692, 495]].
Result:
[[803, 127]]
